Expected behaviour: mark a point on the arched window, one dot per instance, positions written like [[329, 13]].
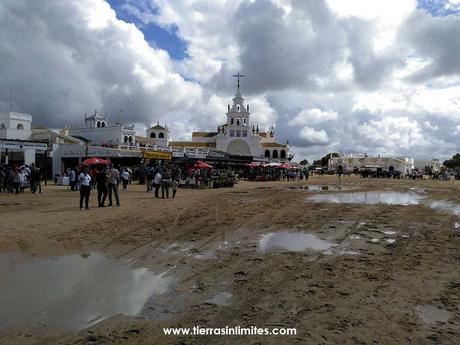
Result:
[[20, 126], [238, 108], [102, 124], [283, 154], [238, 121], [267, 154], [130, 139], [2, 126], [231, 121], [275, 154], [125, 140], [98, 124], [152, 135], [244, 121], [161, 135]]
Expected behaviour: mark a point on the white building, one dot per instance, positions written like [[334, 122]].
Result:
[[353, 162], [238, 136], [434, 164], [16, 143], [15, 126], [98, 131], [159, 135]]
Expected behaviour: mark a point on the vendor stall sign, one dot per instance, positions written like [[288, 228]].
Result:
[[157, 155], [22, 145]]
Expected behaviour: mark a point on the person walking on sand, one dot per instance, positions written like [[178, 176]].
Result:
[[113, 177], [174, 185], [165, 183], [85, 188], [37, 177], [101, 180], [125, 178], [72, 179], [17, 181], [157, 183]]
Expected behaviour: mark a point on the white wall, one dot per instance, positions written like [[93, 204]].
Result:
[[104, 135], [11, 120]]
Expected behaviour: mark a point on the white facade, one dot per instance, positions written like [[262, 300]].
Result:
[[100, 133], [238, 136], [434, 164], [352, 162], [159, 135], [15, 126]]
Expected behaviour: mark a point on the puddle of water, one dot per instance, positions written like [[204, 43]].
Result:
[[293, 241], [221, 298], [73, 291], [370, 198], [206, 255], [389, 232], [446, 206], [375, 240], [348, 252], [355, 237], [431, 314], [390, 240]]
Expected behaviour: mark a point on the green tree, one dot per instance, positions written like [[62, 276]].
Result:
[[303, 162], [454, 162], [324, 160]]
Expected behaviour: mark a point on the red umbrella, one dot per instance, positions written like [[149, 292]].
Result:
[[202, 165], [253, 165], [285, 166], [94, 161]]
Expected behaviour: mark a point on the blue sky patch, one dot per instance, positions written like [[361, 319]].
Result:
[[156, 36], [439, 8]]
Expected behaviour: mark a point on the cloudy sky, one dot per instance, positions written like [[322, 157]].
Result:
[[381, 77]]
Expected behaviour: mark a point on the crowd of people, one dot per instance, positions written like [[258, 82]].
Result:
[[107, 179], [16, 179], [104, 178]]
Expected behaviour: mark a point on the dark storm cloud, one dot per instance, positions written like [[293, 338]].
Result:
[[62, 59], [369, 68], [287, 51], [435, 39]]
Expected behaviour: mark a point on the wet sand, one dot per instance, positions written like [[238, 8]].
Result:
[[259, 254]]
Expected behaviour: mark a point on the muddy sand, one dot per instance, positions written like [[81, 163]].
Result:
[[365, 261]]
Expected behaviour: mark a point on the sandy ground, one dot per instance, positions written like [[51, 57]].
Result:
[[362, 292]]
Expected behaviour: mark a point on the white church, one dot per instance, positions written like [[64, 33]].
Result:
[[238, 136]]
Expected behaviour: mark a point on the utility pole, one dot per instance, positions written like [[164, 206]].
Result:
[[11, 100]]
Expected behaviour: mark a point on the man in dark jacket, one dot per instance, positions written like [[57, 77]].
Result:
[[101, 180]]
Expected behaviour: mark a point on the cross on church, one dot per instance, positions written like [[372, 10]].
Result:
[[238, 76]]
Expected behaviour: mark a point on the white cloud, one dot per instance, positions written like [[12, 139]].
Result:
[[313, 136], [313, 117], [374, 76]]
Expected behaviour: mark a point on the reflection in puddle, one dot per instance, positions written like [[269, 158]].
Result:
[[72, 292], [293, 241], [371, 198], [206, 255], [389, 232], [446, 206], [431, 314], [315, 188], [221, 298]]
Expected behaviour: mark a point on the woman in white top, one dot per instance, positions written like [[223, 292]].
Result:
[[85, 188]]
